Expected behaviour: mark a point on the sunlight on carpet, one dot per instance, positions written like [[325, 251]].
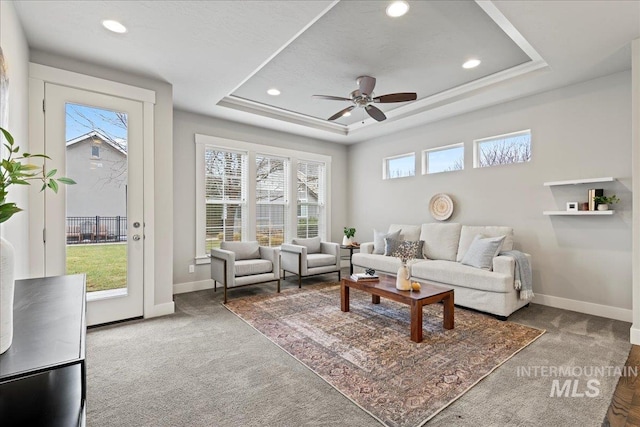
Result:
[[367, 355]]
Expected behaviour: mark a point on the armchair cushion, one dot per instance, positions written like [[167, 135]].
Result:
[[242, 250], [249, 267], [312, 244], [320, 260]]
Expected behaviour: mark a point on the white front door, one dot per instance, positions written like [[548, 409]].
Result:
[[96, 226]]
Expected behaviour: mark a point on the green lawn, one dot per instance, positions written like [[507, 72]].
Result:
[[104, 264]]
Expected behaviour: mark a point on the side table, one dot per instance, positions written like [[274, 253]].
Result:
[[350, 248]]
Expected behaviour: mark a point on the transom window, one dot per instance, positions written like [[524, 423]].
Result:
[[399, 166], [502, 149], [443, 159]]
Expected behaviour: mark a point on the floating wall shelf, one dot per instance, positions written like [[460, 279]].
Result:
[[579, 181], [578, 212]]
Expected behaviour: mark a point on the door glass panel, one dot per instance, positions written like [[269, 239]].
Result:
[[96, 208]]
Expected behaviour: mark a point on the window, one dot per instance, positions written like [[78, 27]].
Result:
[[225, 194], [95, 151], [502, 149], [249, 191], [271, 200], [310, 202], [443, 159], [399, 166]]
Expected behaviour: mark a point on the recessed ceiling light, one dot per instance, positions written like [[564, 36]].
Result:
[[347, 114], [114, 26], [397, 8], [273, 92], [472, 63]]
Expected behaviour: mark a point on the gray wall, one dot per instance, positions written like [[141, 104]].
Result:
[[580, 131], [101, 183], [163, 159], [16, 53], [186, 125]]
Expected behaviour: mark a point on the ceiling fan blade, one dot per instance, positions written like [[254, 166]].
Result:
[[396, 97], [366, 84], [375, 113], [341, 112], [331, 98]]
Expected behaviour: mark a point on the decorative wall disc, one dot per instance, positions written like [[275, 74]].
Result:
[[441, 207]]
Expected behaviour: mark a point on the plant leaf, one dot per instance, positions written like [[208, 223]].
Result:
[[53, 185], [7, 135], [65, 180], [44, 156], [51, 173]]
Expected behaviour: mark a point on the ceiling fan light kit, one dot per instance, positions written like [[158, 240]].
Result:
[[364, 97]]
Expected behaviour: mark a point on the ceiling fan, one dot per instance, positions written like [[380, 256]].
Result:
[[363, 97]]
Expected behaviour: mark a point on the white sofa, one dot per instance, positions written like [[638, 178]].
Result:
[[445, 244]]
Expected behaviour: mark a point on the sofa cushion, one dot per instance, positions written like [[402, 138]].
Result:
[[378, 240], [440, 240], [407, 232], [380, 263], [469, 232], [482, 251], [249, 267], [320, 260], [413, 250], [312, 244], [456, 274], [243, 250]]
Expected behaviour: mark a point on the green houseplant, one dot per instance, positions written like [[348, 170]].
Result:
[[15, 169], [349, 232], [603, 202]]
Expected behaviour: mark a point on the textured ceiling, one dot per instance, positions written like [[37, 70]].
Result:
[[420, 52], [220, 56]]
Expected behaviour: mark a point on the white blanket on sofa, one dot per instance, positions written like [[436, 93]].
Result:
[[523, 276]]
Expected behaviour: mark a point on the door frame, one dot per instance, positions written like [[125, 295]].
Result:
[[38, 76]]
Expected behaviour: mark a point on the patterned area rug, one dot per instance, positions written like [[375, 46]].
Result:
[[368, 356]]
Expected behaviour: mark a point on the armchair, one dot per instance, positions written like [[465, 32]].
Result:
[[238, 264], [309, 257]]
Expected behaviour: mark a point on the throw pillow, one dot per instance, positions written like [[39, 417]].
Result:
[[243, 250], [378, 240], [312, 244], [396, 248], [482, 251]]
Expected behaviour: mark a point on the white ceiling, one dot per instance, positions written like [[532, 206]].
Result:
[[221, 56]]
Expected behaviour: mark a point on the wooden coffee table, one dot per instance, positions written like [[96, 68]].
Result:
[[386, 287]]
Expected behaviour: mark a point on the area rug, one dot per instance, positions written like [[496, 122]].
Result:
[[367, 355]]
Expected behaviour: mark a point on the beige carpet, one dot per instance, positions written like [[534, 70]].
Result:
[[367, 355]]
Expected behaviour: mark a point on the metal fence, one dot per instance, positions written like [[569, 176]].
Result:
[[96, 229]]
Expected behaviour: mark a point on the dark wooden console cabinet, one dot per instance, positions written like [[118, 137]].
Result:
[[43, 373]]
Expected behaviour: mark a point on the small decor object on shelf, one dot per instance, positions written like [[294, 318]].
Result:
[[584, 206], [594, 192], [572, 206], [441, 207], [15, 171], [348, 234], [603, 202]]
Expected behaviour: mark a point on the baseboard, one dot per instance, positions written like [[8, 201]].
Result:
[[160, 310], [600, 310], [181, 288], [634, 335]]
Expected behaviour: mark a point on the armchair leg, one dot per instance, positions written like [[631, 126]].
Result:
[[215, 286], [339, 275], [299, 281], [225, 293], [278, 285], [284, 274]]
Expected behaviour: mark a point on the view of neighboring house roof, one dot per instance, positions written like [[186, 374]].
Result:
[[120, 146]]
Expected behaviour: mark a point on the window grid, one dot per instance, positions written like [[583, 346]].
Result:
[[271, 200], [310, 199]]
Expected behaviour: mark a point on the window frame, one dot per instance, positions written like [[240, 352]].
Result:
[[385, 165], [425, 157], [478, 142], [253, 149], [305, 203]]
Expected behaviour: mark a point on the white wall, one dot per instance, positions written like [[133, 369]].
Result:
[[163, 138], [16, 52], [186, 125], [580, 131]]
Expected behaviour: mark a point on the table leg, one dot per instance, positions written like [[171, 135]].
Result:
[[344, 297], [375, 299], [448, 311], [416, 321]]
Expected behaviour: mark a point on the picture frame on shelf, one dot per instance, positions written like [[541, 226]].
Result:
[[572, 206]]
